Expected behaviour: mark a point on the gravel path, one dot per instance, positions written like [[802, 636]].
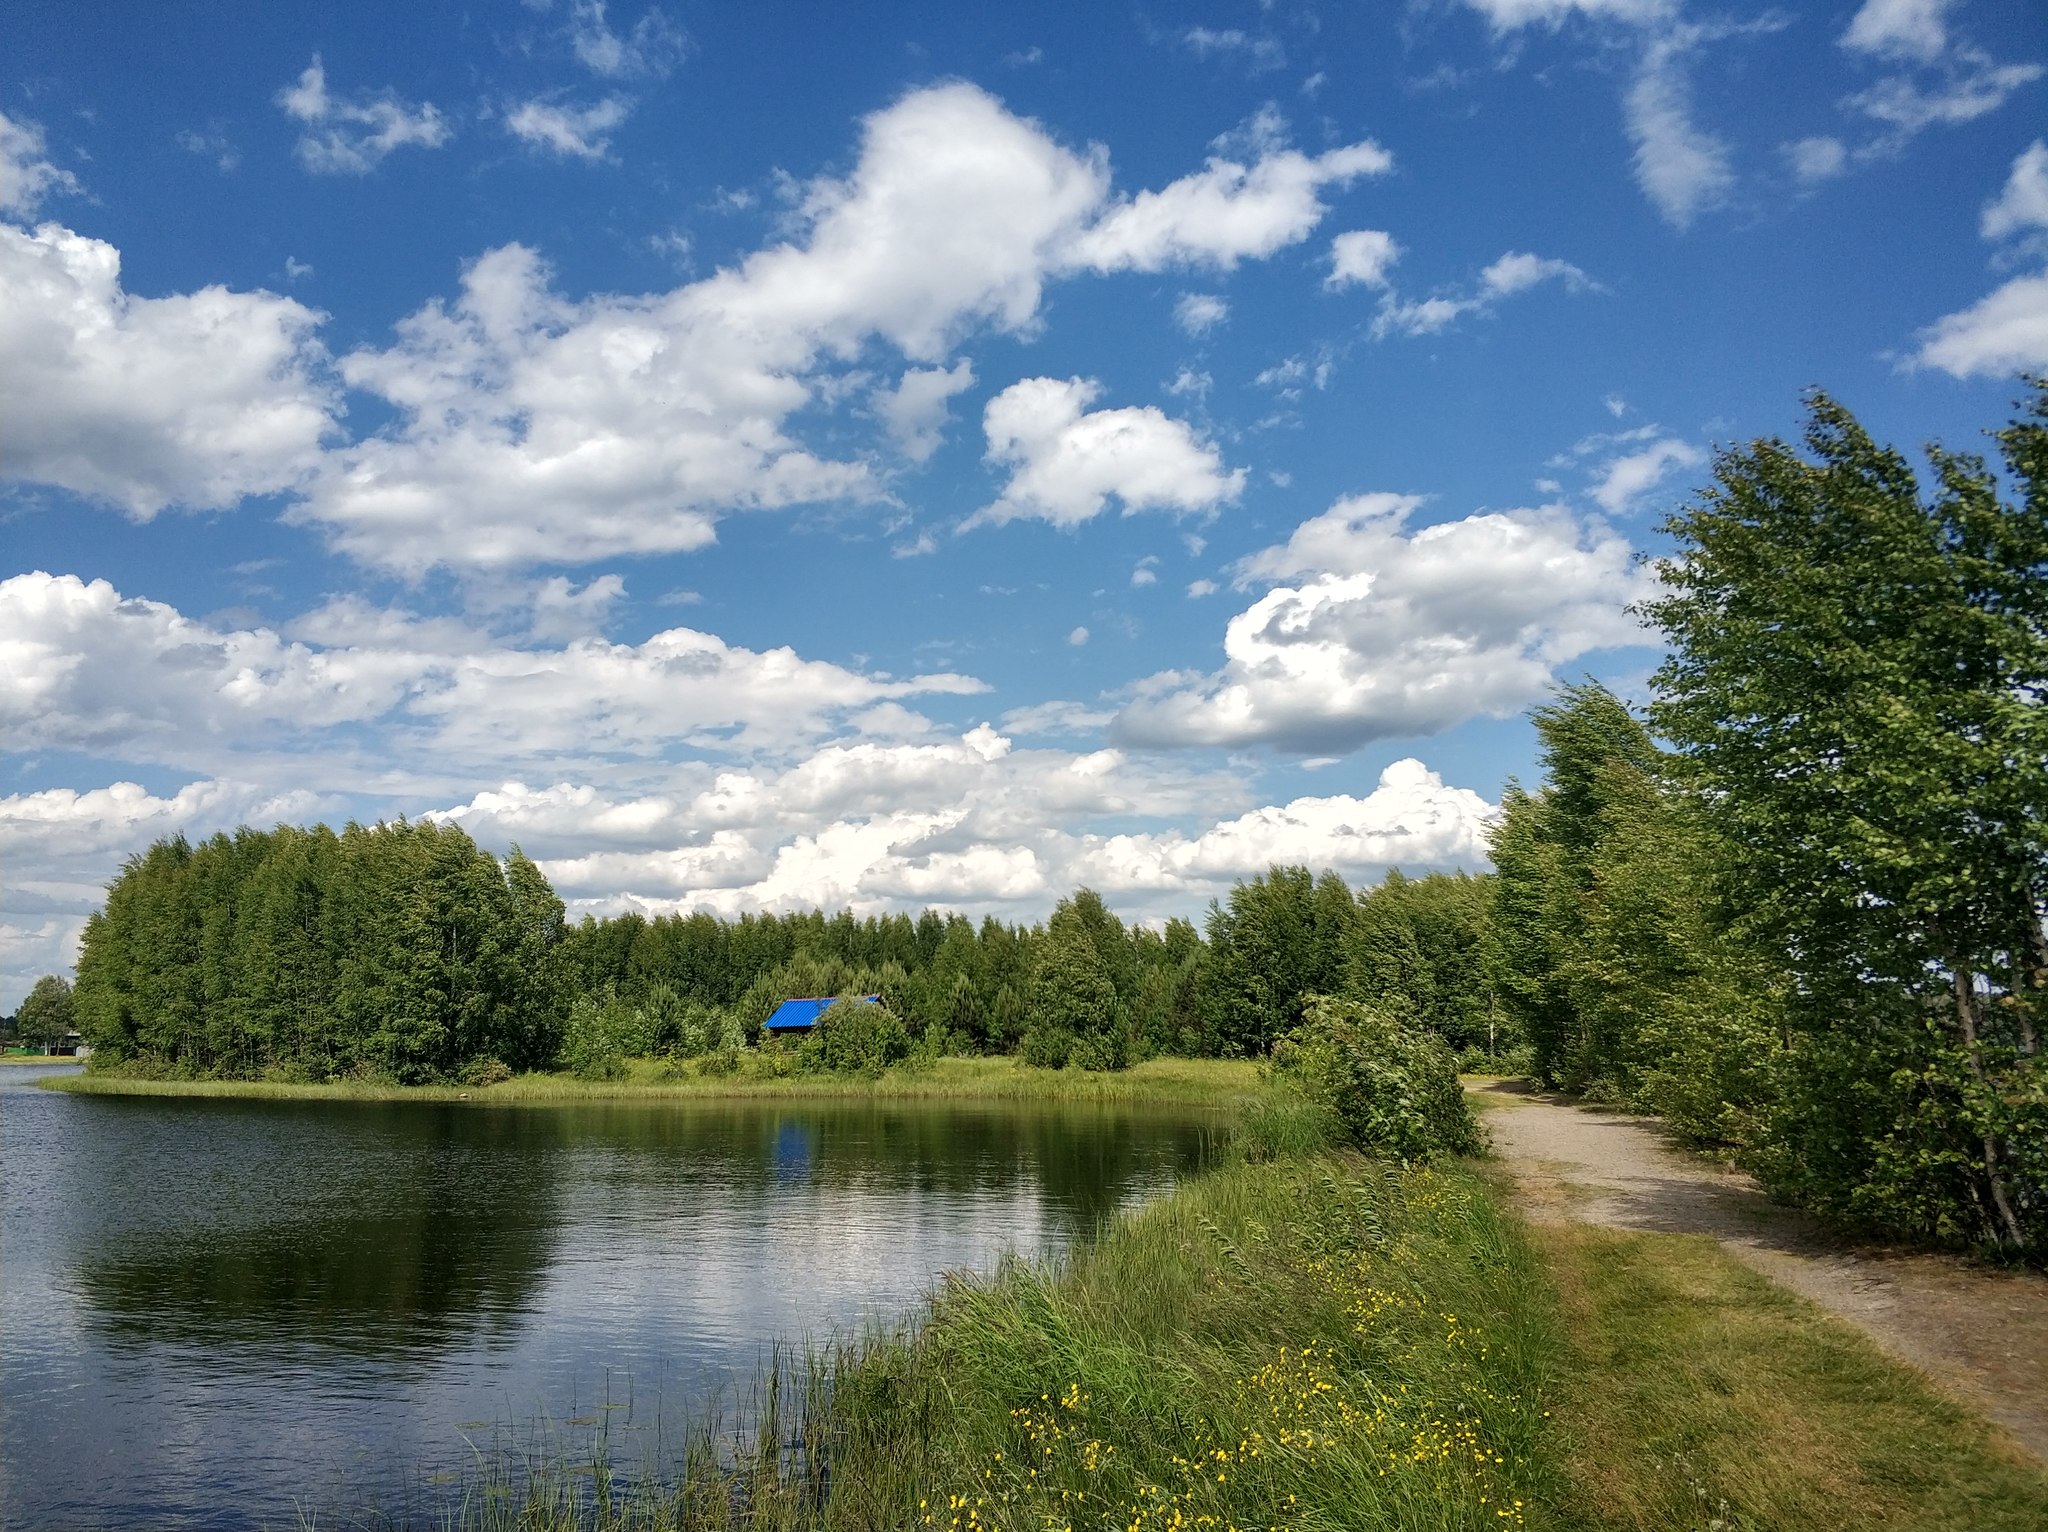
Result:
[[1980, 1335]]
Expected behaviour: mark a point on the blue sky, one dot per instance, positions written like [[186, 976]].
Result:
[[766, 456]]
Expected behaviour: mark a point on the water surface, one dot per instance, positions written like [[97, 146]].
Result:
[[215, 1313]]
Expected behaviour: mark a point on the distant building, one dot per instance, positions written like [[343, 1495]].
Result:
[[801, 1015]]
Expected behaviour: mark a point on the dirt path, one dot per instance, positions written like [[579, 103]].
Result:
[[1980, 1335]]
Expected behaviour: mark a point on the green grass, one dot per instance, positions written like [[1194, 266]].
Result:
[[1221, 1083], [1698, 1394], [1310, 1343]]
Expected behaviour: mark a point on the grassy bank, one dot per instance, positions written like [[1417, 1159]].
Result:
[[1221, 1083], [1319, 1341]]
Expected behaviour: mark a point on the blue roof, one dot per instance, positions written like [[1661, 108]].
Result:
[[802, 1015]]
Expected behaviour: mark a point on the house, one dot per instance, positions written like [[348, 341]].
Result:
[[794, 1016]]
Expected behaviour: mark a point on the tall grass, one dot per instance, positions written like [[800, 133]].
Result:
[[1222, 1083], [1304, 1342]]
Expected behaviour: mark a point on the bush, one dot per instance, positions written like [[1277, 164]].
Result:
[[1099, 1051], [855, 1036], [485, 1071], [1046, 1047], [1390, 1089]]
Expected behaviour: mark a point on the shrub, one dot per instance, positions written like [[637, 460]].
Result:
[[855, 1036], [485, 1071], [1045, 1047], [1099, 1051], [1390, 1089]]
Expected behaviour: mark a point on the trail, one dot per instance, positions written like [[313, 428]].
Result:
[[1979, 1335]]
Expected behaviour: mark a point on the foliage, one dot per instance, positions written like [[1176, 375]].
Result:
[[47, 1013], [1420, 945], [1278, 940], [401, 950], [1858, 690], [1389, 1087], [855, 1035], [1081, 983]]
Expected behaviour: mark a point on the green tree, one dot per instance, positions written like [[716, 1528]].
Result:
[[1074, 1000], [1856, 687], [46, 1015], [1280, 938]]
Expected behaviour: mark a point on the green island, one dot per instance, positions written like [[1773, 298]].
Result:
[[1795, 913]]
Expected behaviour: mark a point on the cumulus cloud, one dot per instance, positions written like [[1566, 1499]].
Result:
[[1361, 256], [82, 669], [568, 132], [528, 426], [2005, 331], [1372, 631], [1230, 210], [1199, 313], [1631, 476], [1511, 15], [352, 135], [2023, 204], [1818, 159], [26, 176], [1066, 461], [996, 829], [196, 399], [1514, 272], [916, 410]]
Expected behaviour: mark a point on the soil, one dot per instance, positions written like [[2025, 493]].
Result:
[[1978, 1334]]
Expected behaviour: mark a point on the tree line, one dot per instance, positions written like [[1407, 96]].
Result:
[[1799, 907]]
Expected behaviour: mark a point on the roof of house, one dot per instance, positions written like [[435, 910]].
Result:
[[801, 1015]]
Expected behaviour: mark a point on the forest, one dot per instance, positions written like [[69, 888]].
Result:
[[1795, 905]]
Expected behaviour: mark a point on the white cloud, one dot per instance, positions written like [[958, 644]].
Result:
[[915, 410], [1229, 211], [2006, 331], [1387, 632], [1188, 382], [567, 132], [351, 136], [1200, 588], [1512, 15], [562, 610], [1199, 313], [1361, 256], [1514, 272], [1972, 85], [1633, 475], [2023, 204], [197, 399], [1260, 52], [1409, 819], [1146, 572], [1909, 28], [1066, 461], [82, 669], [1813, 160], [1683, 169], [26, 177], [653, 48], [1078, 637]]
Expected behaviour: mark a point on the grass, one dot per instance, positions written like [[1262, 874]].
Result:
[[1308, 1343], [1221, 1083], [1700, 1395]]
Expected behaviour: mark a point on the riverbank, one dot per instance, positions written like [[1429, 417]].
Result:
[[1318, 1340], [1223, 1084]]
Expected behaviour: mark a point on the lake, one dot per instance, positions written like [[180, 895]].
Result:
[[216, 1313]]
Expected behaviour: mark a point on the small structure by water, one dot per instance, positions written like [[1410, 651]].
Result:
[[802, 1015]]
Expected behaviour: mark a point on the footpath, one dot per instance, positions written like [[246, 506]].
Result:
[[1978, 1334]]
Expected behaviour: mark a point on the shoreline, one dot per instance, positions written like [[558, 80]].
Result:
[[1222, 1085]]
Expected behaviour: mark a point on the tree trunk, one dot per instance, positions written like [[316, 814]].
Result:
[[1965, 985]]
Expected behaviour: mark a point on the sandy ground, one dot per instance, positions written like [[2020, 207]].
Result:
[[1980, 1335]]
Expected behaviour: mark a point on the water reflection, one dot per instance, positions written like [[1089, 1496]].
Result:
[[240, 1301]]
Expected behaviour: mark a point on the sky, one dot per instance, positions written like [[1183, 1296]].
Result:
[[775, 456]]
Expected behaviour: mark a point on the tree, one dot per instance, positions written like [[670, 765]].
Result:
[[1280, 939], [1858, 690], [46, 1015]]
